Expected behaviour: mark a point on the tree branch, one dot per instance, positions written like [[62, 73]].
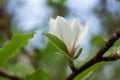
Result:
[[111, 57], [9, 76], [109, 43], [99, 56]]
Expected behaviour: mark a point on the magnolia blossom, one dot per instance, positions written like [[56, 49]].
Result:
[[70, 33]]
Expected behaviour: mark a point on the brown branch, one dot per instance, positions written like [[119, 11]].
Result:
[[111, 57], [109, 43], [99, 56], [9, 76]]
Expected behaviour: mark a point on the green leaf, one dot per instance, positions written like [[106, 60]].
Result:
[[88, 71], [117, 43], [78, 54], [98, 41], [59, 45], [38, 75], [22, 70], [57, 42], [10, 49], [118, 0]]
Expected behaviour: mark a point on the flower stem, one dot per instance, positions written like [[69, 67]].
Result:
[[72, 66]]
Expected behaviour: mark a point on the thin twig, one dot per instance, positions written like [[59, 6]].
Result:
[[99, 56], [111, 57], [9, 76]]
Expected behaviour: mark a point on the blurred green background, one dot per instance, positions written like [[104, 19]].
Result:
[[23, 16]]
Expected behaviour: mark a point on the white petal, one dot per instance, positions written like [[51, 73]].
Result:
[[52, 27], [76, 30], [83, 33], [76, 26], [63, 30]]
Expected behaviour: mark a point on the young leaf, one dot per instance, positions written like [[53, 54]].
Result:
[[22, 70], [78, 54], [38, 75], [85, 74], [10, 49], [59, 45]]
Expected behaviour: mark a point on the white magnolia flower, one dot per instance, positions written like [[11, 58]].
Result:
[[71, 34]]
